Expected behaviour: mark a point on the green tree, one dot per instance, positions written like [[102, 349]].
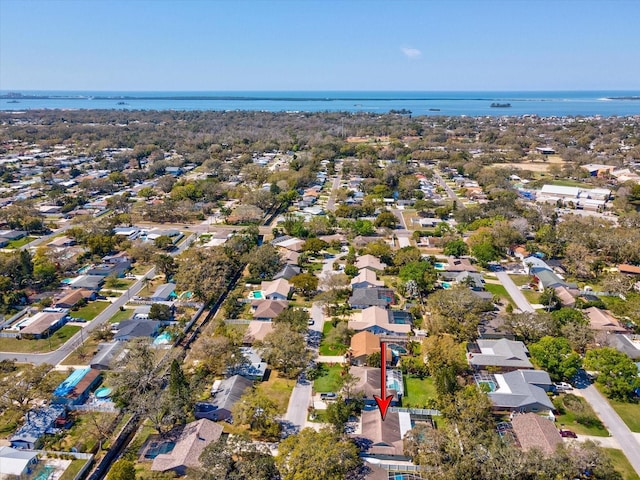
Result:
[[160, 311], [236, 458], [445, 360], [305, 283], [296, 318], [338, 413], [179, 392], [455, 311], [265, 262], [311, 455], [554, 355], [386, 219], [163, 242], [122, 470], [616, 372], [166, 265], [285, 350], [422, 273], [457, 248], [258, 412], [314, 245]]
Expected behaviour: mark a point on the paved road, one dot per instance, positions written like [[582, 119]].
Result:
[[617, 428], [55, 357], [448, 189], [512, 289], [331, 203], [44, 238]]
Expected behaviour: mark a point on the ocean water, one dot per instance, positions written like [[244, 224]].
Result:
[[548, 103]]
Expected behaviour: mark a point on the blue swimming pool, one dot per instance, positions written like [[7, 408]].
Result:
[[446, 285], [440, 265], [162, 339], [156, 448]]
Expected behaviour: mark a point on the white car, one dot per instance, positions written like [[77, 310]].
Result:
[[562, 386]]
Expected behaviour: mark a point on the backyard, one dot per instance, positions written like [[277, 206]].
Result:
[[59, 337], [418, 392], [278, 390]]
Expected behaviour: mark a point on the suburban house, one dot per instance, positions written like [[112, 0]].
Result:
[[289, 243], [566, 296], [267, 310], [471, 279], [370, 297], [384, 439], [368, 384], [276, 290], [366, 279], [117, 269], [164, 292], [128, 329], [225, 394], [72, 298], [287, 272], [75, 389], [42, 324], [189, 442], [370, 262], [89, 282], [458, 265], [629, 269], [505, 355], [38, 422], [522, 391], [61, 242], [378, 321], [17, 463], [289, 257], [535, 431], [256, 331], [120, 257], [108, 355], [363, 344], [603, 321], [254, 368]]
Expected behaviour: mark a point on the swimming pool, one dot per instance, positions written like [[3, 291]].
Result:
[[440, 265], [397, 350], [103, 392], [446, 285], [256, 295], [156, 448], [66, 280], [162, 339]]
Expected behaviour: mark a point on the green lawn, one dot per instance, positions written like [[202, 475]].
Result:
[[121, 315], [73, 469], [629, 412], [520, 280], [532, 296], [38, 346], [327, 348], [621, 464], [575, 406], [278, 390], [83, 435], [500, 291], [567, 183], [119, 283], [330, 381], [418, 392], [21, 242], [90, 310]]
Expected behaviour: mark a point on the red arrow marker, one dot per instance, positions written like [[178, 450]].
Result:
[[383, 401]]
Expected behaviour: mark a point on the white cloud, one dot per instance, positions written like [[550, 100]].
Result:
[[411, 53]]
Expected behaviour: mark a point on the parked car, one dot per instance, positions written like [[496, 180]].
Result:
[[310, 322], [562, 387], [328, 396], [568, 434]]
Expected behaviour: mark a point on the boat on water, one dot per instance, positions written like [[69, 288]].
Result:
[[500, 105], [123, 103], [434, 109], [13, 101]]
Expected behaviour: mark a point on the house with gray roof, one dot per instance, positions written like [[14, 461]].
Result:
[[371, 297], [288, 272], [128, 329], [89, 282], [108, 355], [164, 292], [17, 463], [503, 354], [38, 422], [224, 398], [522, 391]]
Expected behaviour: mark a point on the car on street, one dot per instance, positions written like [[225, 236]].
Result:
[[563, 387]]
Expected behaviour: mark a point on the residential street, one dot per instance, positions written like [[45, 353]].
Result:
[[45, 238], [55, 357], [331, 203], [617, 428], [512, 289]]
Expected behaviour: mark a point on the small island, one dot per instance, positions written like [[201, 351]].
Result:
[[500, 105]]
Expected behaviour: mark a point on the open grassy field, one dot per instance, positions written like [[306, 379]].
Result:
[[629, 412], [330, 380], [418, 391], [90, 311], [41, 345]]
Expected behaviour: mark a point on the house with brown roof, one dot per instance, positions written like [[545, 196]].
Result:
[[566, 296], [629, 269], [189, 442], [378, 321], [536, 432], [459, 265], [385, 438], [368, 384], [72, 298], [256, 331], [267, 310], [61, 242], [42, 324], [366, 279], [603, 321], [276, 290], [370, 262], [363, 344]]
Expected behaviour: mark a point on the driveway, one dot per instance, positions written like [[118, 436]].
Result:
[[512, 289], [617, 428]]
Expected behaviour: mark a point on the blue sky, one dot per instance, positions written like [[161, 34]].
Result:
[[319, 45]]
